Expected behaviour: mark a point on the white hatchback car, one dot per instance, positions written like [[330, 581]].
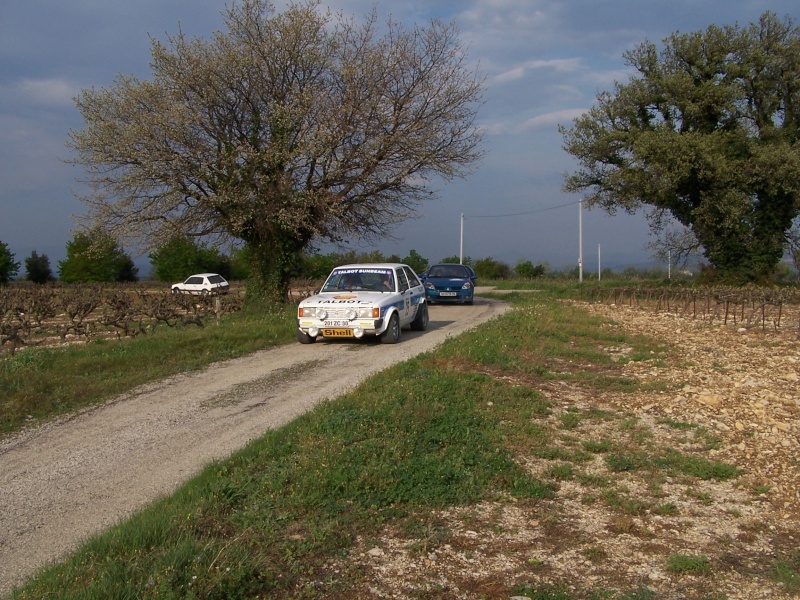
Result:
[[202, 283], [376, 299]]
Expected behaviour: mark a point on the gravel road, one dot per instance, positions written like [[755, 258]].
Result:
[[66, 481]]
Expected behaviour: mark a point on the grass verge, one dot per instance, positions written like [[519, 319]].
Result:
[[41, 383]]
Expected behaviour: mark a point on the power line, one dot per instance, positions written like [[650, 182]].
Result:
[[530, 212]]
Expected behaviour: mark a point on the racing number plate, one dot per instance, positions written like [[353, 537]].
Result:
[[331, 332], [447, 293]]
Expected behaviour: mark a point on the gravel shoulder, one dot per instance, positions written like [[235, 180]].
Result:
[[66, 481]]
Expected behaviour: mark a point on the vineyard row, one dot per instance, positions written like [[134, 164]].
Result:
[[775, 310], [43, 315]]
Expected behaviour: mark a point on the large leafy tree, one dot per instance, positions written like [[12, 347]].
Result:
[[705, 133], [8, 266], [283, 130], [95, 256]]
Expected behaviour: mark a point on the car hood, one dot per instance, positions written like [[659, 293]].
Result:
[[344, 298], [447, 279]]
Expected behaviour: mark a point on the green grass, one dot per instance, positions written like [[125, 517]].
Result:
[[684, 563], [445, 429], [39, 384], [786, 570]]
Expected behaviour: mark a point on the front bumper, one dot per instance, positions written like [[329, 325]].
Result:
[[356, 328], [459, 295]]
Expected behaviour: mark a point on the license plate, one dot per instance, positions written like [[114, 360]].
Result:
[[337, 323], [448, 294], [337, 332]]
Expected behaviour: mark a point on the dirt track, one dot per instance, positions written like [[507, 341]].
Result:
[[66, 481]]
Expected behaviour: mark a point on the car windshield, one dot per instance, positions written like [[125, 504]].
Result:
[[378, 280], [455, 271]]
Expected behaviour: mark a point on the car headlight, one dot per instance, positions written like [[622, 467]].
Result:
[[429, 285], [351, 314], [369, 313], [311, 312], [467, 286]]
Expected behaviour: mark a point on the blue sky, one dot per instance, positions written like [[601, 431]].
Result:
[[544, 62]]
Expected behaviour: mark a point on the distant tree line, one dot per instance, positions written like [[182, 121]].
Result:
[[94, 257]]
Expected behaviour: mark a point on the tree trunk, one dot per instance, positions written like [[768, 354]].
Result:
[[274, 261]]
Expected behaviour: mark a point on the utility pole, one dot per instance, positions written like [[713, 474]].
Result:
[[580, 240], [598, 262], [461, 246]]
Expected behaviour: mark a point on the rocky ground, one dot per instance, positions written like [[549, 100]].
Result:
[[736, 386]]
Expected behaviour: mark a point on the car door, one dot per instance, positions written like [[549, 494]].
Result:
[[416, 291], [194, 284], [404, 306]]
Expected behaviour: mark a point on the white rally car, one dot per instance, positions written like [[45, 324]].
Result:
[[376, 299]]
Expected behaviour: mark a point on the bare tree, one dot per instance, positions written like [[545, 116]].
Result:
[[674, 243], [284, 129]]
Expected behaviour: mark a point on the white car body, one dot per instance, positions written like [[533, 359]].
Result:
[[353, 303], [202, 283]]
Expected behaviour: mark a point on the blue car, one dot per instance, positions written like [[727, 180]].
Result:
[[450, 283]]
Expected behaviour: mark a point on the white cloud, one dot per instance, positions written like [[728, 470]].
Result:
[[550, 119], [562, 65], [553, 118], [48, 92]]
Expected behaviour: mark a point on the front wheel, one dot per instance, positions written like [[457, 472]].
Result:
[[304, 338], [420, 322], [392, 333]]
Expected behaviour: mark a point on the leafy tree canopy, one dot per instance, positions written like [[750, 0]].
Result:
[[525, 269], [37, 268], [706, 132], [416, 261], [456, 260], [96, 257], [182, 256], [286, 128], [489, 268], [8, 268]]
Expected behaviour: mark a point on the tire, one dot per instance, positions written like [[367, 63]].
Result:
[[392, 333], [304, 338], [420, 322]]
